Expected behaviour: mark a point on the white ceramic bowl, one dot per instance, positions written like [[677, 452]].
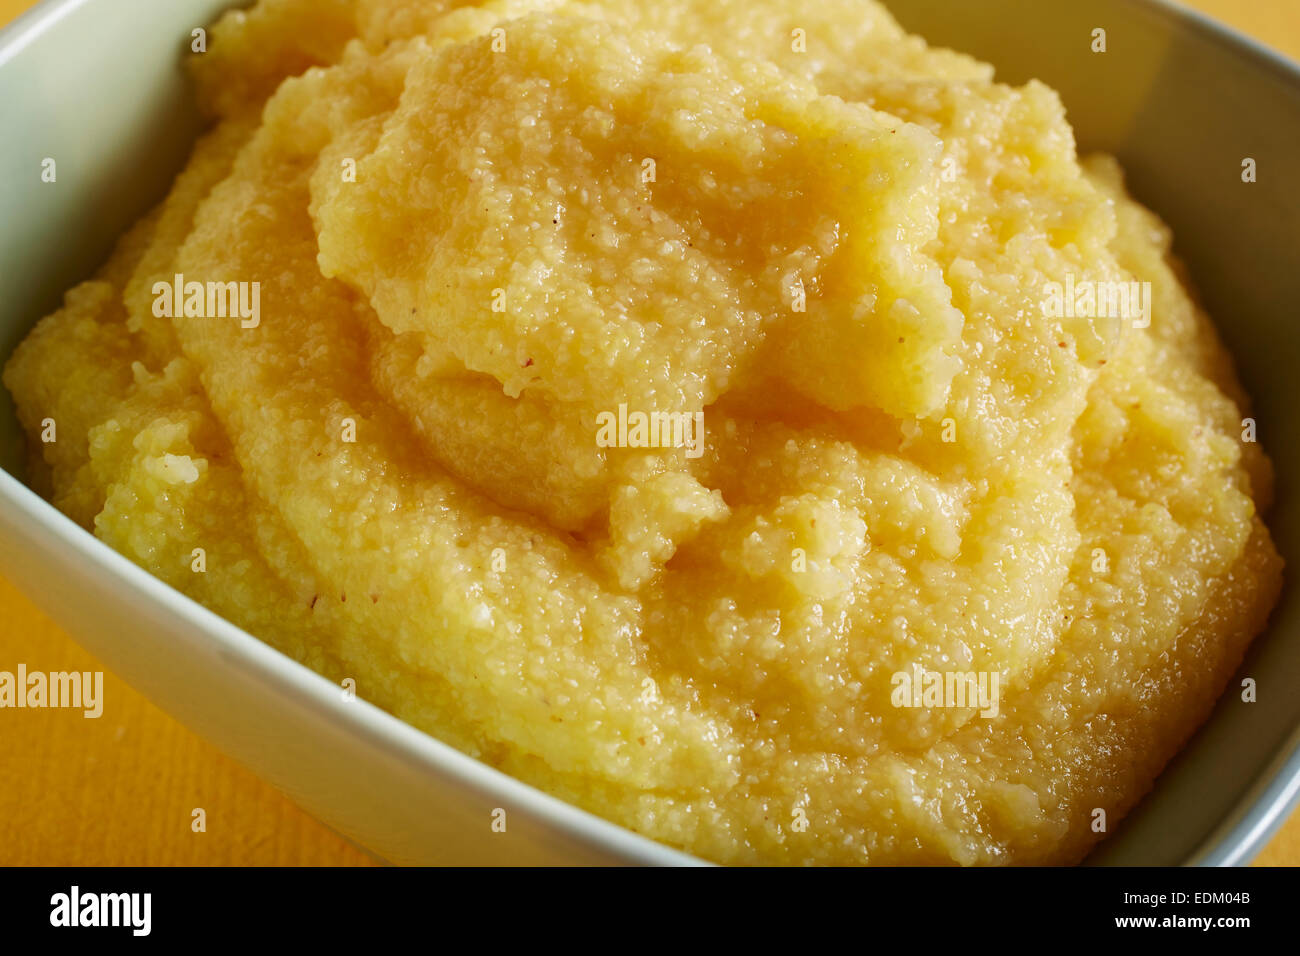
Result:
[[1181, 101]]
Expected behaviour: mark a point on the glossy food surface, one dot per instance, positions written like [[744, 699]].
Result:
[[479, 231]]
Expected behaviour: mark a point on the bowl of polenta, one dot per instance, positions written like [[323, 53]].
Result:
[[737, 431]]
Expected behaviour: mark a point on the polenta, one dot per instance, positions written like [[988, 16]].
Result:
[[661, 402]]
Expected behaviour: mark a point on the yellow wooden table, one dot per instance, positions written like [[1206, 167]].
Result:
[[120, 790]]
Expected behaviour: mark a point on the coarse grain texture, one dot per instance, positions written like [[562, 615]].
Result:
[[479, 228]]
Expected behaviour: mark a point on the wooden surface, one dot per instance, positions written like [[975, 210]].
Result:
[[121, 789]]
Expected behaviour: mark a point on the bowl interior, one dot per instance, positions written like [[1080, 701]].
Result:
[[101, 91], [1182, 103]]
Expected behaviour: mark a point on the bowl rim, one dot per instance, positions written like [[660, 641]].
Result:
[[359, 719], [1262, 809], [281, 674], [1274, 792]]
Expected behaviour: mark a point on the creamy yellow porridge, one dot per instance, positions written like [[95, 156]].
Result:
[[735, 417]]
